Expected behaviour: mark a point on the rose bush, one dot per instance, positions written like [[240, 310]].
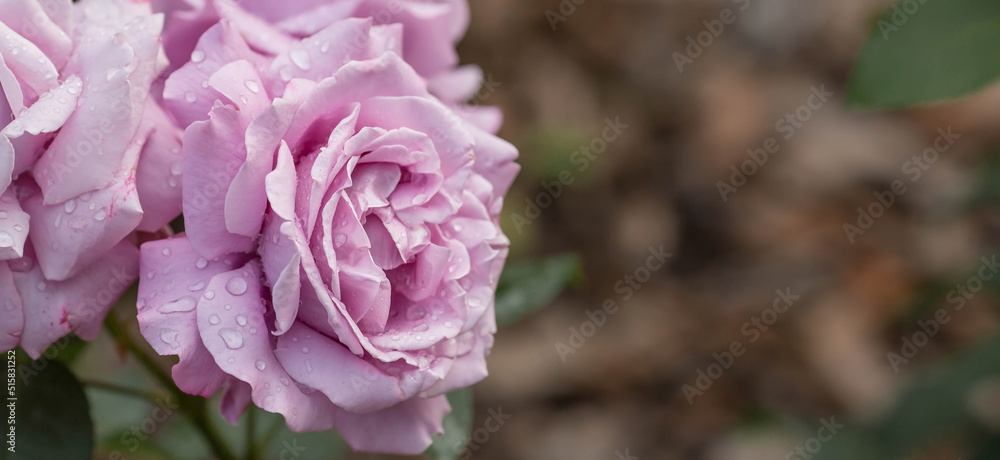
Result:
[[342, 245], [82, 155]]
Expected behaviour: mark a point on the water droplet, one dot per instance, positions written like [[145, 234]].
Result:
[[201, 263], [340, 240], [416, 312], [18, 228], [422, 327], [284, 381], [474, 302], [305, 350], [41, 285], [232, 337], [325, 47], [190, 97], [285, 73], [197, 56], [252, 86], [214, 319], [309, 367], [70, 206], [6, 240], [228, 307], [169, 337], [236, 286], [176, 168], [196, 287], [241, 320], [209, 295], [244, 99], [165, 251], [184, 304], [260, 365], [100, 215], [300, 58]]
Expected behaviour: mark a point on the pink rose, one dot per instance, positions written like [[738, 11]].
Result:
[[430, 30], [343, 246], [75, 80]]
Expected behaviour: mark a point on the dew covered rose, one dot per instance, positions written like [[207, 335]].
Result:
[[342, 247], [83, 152], [430, 30]]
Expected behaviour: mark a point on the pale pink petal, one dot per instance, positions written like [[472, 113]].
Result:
[[404, 429]]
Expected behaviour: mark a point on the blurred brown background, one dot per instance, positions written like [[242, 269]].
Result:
[[622, 393]]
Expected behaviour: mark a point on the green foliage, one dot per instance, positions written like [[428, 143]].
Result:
[[457, 427], [528, 285], [53, 414], [940, 50], [936, 407]]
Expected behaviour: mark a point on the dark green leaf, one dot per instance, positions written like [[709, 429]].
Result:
[[457, 427], [53, 415], [528, 285], [943, 50]]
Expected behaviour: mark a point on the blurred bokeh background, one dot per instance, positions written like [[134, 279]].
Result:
[[825, 357]]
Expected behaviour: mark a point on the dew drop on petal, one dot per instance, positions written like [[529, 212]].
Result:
[[201, 263], [209, 295], [214, 319], [197, 56], [300, 58], [6, 240], [190, 97], [181, 305], [70, 206], [236, 286], [260, 365], [169, 337], [241, 320], [252, 86], [232, 337]]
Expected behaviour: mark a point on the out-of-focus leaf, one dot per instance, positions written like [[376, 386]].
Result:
[[936, 407], [529, 285], [940, 50], [457, 427], [53, 415]]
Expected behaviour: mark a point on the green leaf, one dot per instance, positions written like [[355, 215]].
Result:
[[943, 50], [936, 407], [457, 428], [528, 285], [53, 415]]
